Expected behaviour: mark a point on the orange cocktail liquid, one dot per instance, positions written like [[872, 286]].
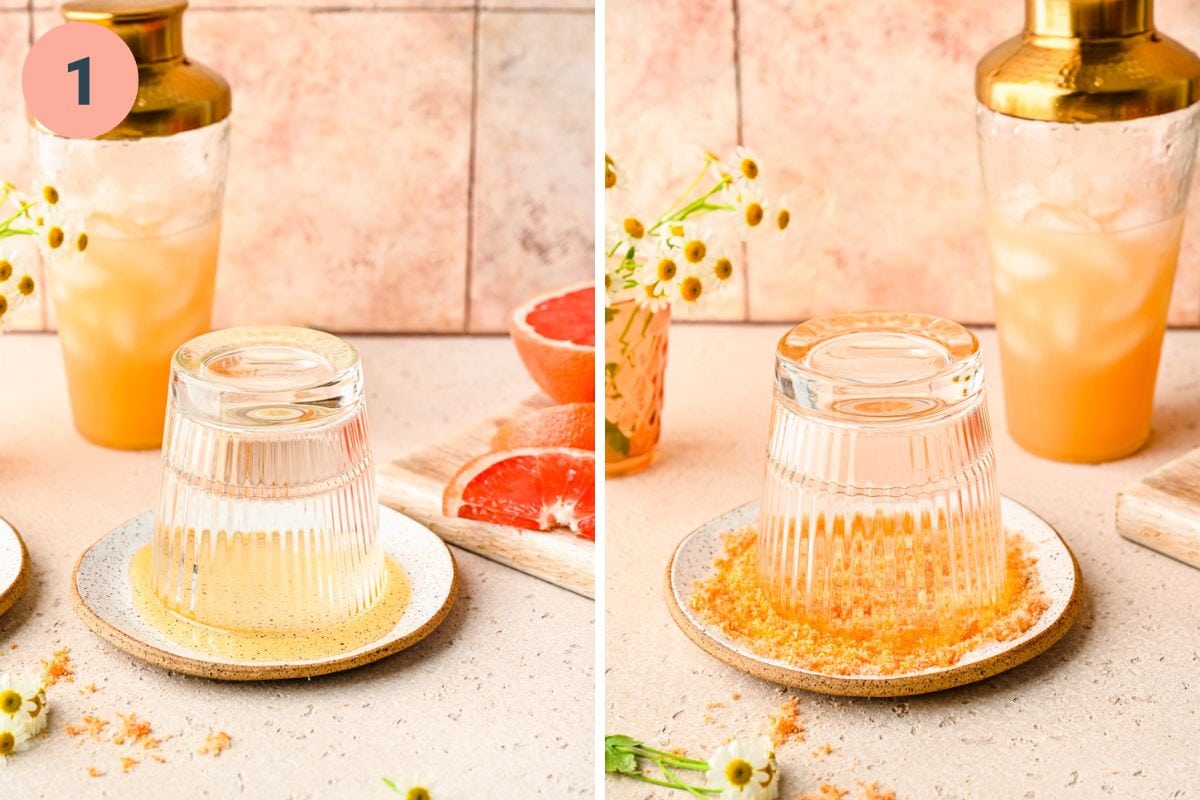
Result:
[[1081, 308], [121, 314]]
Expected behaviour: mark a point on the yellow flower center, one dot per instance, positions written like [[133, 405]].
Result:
[[749, 168], [610, 178], [5, 270], [10, 702], [81, 242], [8, 743], [691, 288], [723, 269], [51, 194], [677, 230], [739, 772], [666, 270], [695, 251], [754, 214], [783, 219], [3, 305], [25, 285], [607, 281], [417, 793], [55, 237], [635, 228]]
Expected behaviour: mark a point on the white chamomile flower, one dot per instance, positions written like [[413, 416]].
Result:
[[690, 289], [690, 240], [60, 237], [661, 268], [722, 273], [23, 699], [617, 288], [18, 290], [651, 297], [8, 267], [745, 770], [781, 217], [750, 206], [628, 224], [745, 164], [14, 737], [415, 788], [616, 178]]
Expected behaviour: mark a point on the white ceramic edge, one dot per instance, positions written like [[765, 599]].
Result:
[[430, 591], [1055, 566], [11, 557], [14, 566]]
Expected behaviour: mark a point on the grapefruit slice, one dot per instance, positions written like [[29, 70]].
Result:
[[536, 488], [571, 425], [555, 335]]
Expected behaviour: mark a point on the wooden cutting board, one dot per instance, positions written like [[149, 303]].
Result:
[[413, 485], [1162, 510]]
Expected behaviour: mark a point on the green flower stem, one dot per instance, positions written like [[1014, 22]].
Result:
[[622, 755], [680, 761], [695, 182], [697, 791], [686, 211], [628, 325], [694, 791], [11, 219]]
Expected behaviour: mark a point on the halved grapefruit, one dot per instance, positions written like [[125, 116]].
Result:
[[536, 488], [555, 335], [569, 425]]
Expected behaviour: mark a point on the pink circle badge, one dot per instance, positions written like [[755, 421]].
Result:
[[80, 80]]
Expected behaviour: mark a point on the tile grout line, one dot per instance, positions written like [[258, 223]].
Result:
[[737, 91], [43, 287], [471, 168]]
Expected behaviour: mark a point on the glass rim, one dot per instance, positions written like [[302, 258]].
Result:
[[266, 377], [926, 365]]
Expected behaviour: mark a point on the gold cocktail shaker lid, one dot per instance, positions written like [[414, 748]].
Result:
[[175, 93], [1088, 61]]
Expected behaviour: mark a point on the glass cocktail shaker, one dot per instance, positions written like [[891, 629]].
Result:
[[1087, 124], [150, 194]]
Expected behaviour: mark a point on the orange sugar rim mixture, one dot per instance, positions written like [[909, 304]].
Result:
[[732, 599], [787, 724]]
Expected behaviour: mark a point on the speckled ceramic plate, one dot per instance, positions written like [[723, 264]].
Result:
[[14, 566], [103, 597], [1057, 570]]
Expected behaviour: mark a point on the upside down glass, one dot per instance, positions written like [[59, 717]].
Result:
[[149, 194], [880, 515], [267, 517]]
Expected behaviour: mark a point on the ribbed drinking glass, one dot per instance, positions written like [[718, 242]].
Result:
[[267, 517], [880, 513]]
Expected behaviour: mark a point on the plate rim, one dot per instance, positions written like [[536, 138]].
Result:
[[1013, 655], [13, 592], [250, 671]]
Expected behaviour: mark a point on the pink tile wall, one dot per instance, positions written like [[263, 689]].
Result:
[[14, 41], [349, 204], [536, 146], [862, 109]]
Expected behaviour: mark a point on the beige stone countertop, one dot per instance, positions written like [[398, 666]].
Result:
[[1112, 710], [498, 702]]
